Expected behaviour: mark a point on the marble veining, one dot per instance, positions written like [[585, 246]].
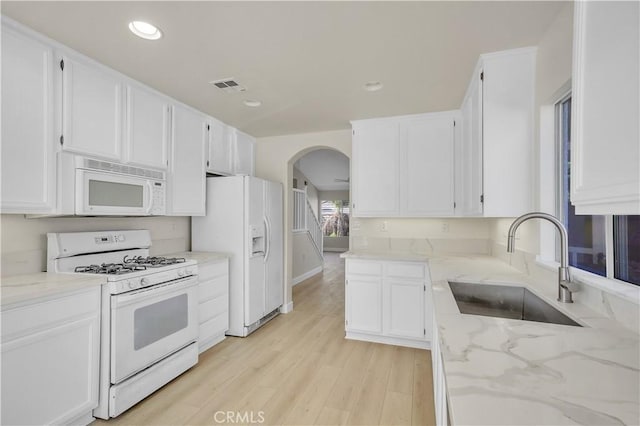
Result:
[[512, 372]]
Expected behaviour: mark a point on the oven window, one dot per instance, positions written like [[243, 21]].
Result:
[[155, 322], [103, 193]]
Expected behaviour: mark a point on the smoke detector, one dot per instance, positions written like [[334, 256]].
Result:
[[229, 85]]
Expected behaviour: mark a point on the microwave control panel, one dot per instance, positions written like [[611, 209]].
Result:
[[158, 196]]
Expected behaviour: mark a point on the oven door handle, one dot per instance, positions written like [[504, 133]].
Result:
[[149, 197], [150, 293]]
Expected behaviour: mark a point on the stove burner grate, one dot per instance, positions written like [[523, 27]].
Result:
[[153, 261]]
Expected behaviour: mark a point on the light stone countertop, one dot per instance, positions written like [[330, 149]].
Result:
[[511, 372], [400, 256], [20, 290], [202, 257]]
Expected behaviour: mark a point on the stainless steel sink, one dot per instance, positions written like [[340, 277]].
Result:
[[506, 302]]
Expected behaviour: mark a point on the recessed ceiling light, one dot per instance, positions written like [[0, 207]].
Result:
[[252, 103], [145, 30], [373, 86]]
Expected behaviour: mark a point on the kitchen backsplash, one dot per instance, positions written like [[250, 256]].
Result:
[[24, 241]]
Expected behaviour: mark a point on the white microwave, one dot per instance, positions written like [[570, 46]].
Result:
[[103, 188]]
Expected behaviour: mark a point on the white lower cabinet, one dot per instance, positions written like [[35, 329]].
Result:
[[213, 307], [50, 360], [388, 302]]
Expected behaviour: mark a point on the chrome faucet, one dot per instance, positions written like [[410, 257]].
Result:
[[564, 279]]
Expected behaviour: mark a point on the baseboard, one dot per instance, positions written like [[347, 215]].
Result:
[[335, 249], [306, 275], [387, 340], [285, 309]]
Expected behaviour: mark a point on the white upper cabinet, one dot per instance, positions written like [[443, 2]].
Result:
[[404, 166], [375, 161], [147, 128], [243, 163], [187, 176], [427, 155], [497, 138], [28, 144], [605, 157], [219, 148], [92, 108], [469, 184]]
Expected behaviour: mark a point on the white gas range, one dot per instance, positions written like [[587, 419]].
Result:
[[149, 311]]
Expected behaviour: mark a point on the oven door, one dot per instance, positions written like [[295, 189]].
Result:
[[100, 193], [151, 323]]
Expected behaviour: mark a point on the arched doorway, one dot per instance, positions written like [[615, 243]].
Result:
[[295, 271]]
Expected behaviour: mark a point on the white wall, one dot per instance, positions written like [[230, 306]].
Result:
[[24, 241], [275, 157], [305, 256], [553, 71]]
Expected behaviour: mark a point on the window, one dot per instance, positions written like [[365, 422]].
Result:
[[335, 218], [588, 235]]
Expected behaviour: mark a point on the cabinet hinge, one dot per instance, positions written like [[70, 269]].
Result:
[[424, 287], [482, 198], [346, 322], [353, 132], [61, 139], [482, 76], [346, 282], [207, 163], [208, 127], [454, 205], [454, 123], [424, 331], [62, 64]]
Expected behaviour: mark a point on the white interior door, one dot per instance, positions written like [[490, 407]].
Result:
[[274, 296]]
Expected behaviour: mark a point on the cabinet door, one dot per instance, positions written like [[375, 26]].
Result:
[[376, 180], [50, 360], [507, 129], [364, 304], [187, 176], [404, 311], [243, 158], [147, 130], [427, 183], [605, 126], [470, 161], [220, 152], [91, 109], [28, 157]]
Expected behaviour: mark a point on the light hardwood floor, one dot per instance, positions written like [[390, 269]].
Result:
[[298, 370]]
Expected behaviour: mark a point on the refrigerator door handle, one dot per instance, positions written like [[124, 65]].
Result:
[[267, 238]]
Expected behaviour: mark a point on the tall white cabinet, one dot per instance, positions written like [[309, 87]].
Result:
[[605, 155], [28, 114], [497, 137], [404, 166], [187, 176]]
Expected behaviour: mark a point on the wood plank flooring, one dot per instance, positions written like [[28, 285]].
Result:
[[298, 370]]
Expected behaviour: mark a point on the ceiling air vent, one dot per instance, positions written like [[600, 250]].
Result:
[[228, 85]]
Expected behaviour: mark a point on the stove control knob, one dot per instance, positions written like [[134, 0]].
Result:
[[132, 284], [180, 272], [188, 272], [144, 282]]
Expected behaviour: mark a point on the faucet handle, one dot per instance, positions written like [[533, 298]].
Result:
[[573, 287]]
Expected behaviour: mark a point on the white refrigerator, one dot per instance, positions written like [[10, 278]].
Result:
[[244, 219]]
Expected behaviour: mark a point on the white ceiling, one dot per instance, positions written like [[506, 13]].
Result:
[[306, 61], [323, 166]]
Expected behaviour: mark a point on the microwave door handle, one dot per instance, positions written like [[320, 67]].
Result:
[[149, 197]]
